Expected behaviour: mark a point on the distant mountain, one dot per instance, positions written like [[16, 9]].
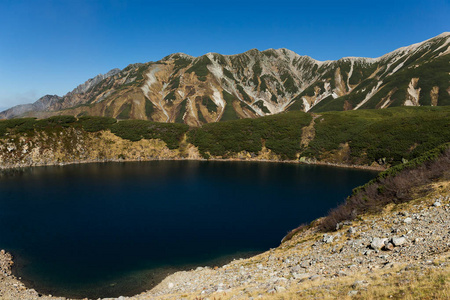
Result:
[[214, 87]]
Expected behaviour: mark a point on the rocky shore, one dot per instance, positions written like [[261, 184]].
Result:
[[406, 243], [75, 146]]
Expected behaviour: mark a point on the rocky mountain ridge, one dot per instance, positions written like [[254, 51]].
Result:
[[214, 87]]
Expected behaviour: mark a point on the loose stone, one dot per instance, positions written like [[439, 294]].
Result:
[[378, 243]]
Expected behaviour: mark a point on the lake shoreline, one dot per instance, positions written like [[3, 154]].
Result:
[[319, 163], [299, 263], [158, 275], [21, 268]]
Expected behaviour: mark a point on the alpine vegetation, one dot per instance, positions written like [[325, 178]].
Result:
[[195, 90]]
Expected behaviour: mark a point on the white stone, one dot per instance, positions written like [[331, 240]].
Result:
[[328, 238], [407, 220], [398, 241], [378, 243], [280, 289], [301, 277]]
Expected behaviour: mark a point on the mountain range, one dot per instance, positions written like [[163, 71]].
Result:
[[214, 87]]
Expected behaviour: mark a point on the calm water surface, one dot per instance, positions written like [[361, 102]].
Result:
[[118, 228]]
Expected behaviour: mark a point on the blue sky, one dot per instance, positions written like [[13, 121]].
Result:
[[49, 47]]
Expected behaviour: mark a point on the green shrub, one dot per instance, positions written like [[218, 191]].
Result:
[[210, 105], [170, 96], [261, 105], [55, 121], [94, 124], [228, 73], [135, 130], [181, 62], [125, 111], [181, 111], [281, 133], [149, 108], [244, 94], [229, 112], [389, 134], [394, 185], [17, 125], [199, 67]]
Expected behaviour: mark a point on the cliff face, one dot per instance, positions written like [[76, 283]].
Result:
[[364, 138], [72, 146], [214, 87]]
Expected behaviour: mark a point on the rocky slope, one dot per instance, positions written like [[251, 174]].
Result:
[[214, 87], [71, 145], [402, 252], [375, 138]]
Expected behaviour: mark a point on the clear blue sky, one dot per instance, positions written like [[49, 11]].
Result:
[[49, 47]]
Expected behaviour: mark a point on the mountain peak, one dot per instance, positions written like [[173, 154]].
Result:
[[177, 55], [82, 88], [444, 34], [215, 87]]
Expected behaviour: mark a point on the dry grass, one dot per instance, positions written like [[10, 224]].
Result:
[[390, 187], [398, 283]]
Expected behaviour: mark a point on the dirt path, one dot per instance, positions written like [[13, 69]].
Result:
[[308, 132]]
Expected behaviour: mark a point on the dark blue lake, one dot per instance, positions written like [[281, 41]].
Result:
[[115, 229]]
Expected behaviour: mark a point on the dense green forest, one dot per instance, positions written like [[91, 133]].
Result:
[[388, 136]]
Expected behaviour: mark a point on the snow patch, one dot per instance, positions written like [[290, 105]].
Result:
[[161, 101], [217, 97], [413, 93], [218, 100], [306, 104], [275, 108], [369, 95], [442, 46], [397, 68], [214, 68], [191, 108], [146, 88], [350, 75], [151, 79], [385, 103]]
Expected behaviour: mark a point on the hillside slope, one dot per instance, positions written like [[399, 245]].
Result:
[[214, 87], [370, 138]]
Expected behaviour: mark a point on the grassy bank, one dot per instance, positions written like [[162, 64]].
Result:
[[395, 185], [364, 137]]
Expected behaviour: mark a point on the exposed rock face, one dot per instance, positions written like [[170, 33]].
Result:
[[74, 146], [215, 87], [83, 88], [44, 103]]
